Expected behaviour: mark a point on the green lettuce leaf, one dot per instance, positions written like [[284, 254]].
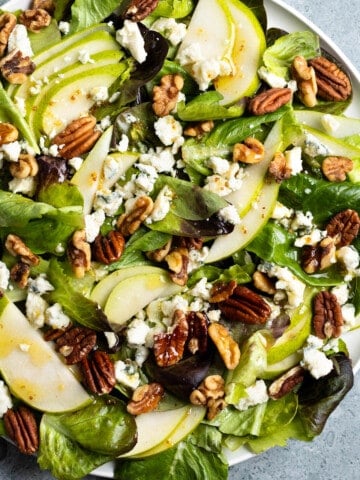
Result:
[[85, 13], [206, 106]]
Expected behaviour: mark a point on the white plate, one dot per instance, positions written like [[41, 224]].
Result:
[[285, 17]]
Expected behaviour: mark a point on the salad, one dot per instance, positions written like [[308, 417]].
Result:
[[179, 218]]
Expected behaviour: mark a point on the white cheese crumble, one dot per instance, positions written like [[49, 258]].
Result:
[[229, 214], [39, 284], [162, 160], [293, 160], [111, 339], [4, 276], [55, 317], [286, 282], [341, 292], [11, 151], [137, 332], [93, 222], [27, 185], [348, 314], [172, 30], [130, 38], [274, 81], [313, 147], [19, 40], [123, 144], [349, 257], [75, 163], [35, 307], [5, 399], [256, 394], [316, 362], [218, 165], [99, 94], [169, 131], [161, 206], [127, 374], [64, 27], [109, 201], [330, 123], [84, 57]]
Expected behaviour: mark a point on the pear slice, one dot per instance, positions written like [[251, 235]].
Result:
[[32, 369], [339, 125], [123, 161], [248, 48], [135, 293], [155, 427], [102, 290]]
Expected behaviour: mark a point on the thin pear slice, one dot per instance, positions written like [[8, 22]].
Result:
[[249, 46], [102, 290], [342, 126], [155, 427], [123, 161], [31, 367], [135, 293]]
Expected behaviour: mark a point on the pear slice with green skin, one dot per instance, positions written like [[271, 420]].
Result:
[[211, 30], [276, 369], [135, 293], [54, 68], [255, 200], [249, 45], [88, 176], [70, 99], [102, 290], [155, 427], [335, 146], [32, 369], [193, 418], [101, 59], [123, 160], [343, 126]]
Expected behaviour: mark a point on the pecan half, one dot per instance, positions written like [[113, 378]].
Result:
[[78, 137], [22, 428], [344, 227], [7, 24], [278, 168], [221, 291], [108, 248], [269, 101], [286, 383], [333, 84], [20, 273], [159, 254], [336, 168], [197, 340], [26, 166], [15, 68], [169, 347], [16, 247], [79, 254], [178, 261], [35, 19], [227, 347], [327, 318], [75, 343], [8, 133], [318, 257], [251, 150], [305, 80], [98, 372], [165, 95], [245, 306], [263, 283], [130, 221], [145, 398], [137, 10]]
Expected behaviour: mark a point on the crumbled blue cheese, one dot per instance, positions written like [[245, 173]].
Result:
[[75, 163], [274, 81], [341, 292], [130, 38], [99, 94], [127, 374], [316, 362], [218, 165], [93, 222], [197, 258], [169, 131], [27, 185], [256, 394], [35, 307], [137, 332], [350, 259], [40, 284], [4, 276], [227, 182], [281, 212], [11, 151], [293, 160], [141, 354], [64, 27], [19, 40], [349, 316], [168, 307], [111, 338], [330, 123], [109, 201], [55, 317], [123, 144], [286, 283], [172, 30], [313, 238], [5, 399], [313, 147], [162, 160], [161, 206], [302, 221], [201, 289], [84, 57], [213, 315], [229, 214]]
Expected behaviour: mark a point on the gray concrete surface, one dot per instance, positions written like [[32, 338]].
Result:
[[335, 454]]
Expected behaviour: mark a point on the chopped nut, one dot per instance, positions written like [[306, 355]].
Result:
[[16, 247], [7, 24], [286, 382], [137, 10], [20, 273], [98, 372], [47, 5], [15, 68], [327, 318], [165, 95], [269, 101], [159, 254], [199, 129], [210, 393], [178, 260], [336, 168], [169, 347], [77, 138], [190, 243], [22, 428], [263, 283], [197, 340], [306, 81], [221, 291], [129, 222], [227, 347], [8, 133], [344, 227], [108, 248], [75, 343], [318, 257], [35, 19], [245, 306], [278, 168], [145, 398], [26, 166], [333, 84], [250, 151], [79, 254], [215, 407]]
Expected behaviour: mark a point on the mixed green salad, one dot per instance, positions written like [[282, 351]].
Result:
[[179, 217]]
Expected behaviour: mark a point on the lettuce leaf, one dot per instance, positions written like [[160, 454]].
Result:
[[85, 13], [206, 106]]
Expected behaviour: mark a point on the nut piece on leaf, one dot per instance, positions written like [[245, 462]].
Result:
[[227, 347], [327, 318], [333, 84], [251, 150], [245, 306], [108, 248], [145, 398], [75, 343], [137, 10], [35, 19], [286, 383], [336, 168], [22, 428], [15, 68], [318, 257], [8, 133], [7, 24], [131, 220], [278, 168], [165, 95], [98, 372], [169, 347], [344, 227], [269, 101], [197, 340], [306, 81], [79, 253]]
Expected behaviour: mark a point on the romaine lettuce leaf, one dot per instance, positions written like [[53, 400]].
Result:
[[85, 13], [206, 106]]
